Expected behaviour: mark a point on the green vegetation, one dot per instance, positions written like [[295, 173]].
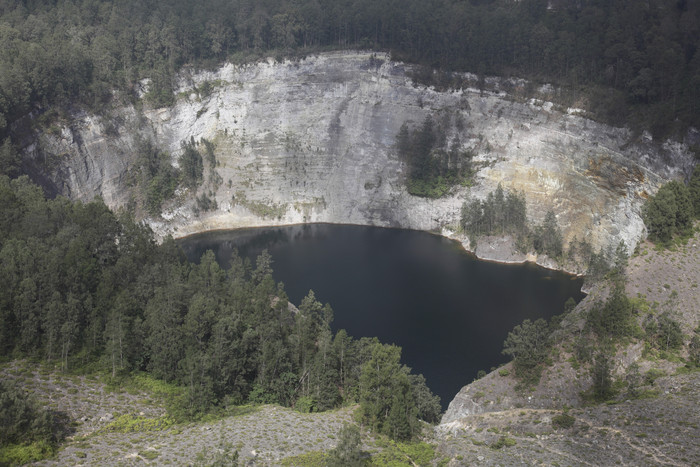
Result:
[[615, 318], [432, 168], [602, 389], [503, 442], [694, 348], [400, 454], [156, 179], [670, 212], [9, 159], [505, 213], [348, 452], [130, 423], [388, 395], [547, 237], [694, 191], [28, 432], [663, 332], [191, 164], [154, 176], [309, 459], [638, 65], [224, 456], [529, 344], [149, 454], [563, 420], [85, 287], [502, 212]]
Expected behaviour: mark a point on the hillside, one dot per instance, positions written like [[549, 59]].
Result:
[[490, 422], [533, 130], [629, 65], [656, 423], [314, 140]]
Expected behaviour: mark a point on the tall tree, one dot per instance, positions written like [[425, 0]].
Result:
[[529, 344], [694, 189], [386, 401]]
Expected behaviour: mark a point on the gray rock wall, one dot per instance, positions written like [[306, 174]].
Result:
[[312, 141]]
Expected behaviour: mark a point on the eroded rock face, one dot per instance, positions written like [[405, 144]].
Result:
[[313, 141]]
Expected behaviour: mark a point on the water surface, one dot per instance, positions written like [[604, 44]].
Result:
[[449, 311]]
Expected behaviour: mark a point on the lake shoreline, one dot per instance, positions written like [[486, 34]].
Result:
[[418, 289], [492, 249]]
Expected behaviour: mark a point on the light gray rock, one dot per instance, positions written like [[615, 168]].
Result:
[[313, 141]]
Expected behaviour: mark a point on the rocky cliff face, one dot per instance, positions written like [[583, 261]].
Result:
[[313, 141]]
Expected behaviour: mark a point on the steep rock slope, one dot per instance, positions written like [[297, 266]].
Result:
[[313, 141], [657, 424]]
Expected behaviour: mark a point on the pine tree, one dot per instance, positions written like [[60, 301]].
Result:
[[602, 378], [694, 191], [660, 215], [386, 402], [348, 452], [684, 207]]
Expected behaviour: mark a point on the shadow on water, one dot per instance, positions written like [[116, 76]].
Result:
[[449, 311]]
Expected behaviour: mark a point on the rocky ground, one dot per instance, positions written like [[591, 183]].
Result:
[[662, 430], [669, 280], [120, 427], [313, 140], [489, 422], [659, 428]]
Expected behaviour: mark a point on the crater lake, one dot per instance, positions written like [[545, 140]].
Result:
[[449, 311]]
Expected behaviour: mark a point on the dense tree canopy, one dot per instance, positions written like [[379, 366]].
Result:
[[85, 286], [26, 425], [645, 55], [502, 212]]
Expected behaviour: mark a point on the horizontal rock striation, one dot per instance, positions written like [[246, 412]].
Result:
[[313, 141]]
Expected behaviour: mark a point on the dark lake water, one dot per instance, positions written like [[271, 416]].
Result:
[[448, 311]]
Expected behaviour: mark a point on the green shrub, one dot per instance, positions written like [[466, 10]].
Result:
[[602, 378], [528, 344], [309, 459], [563, 420], [348, 452], [397, 453], [615, 318], [149, 454], [135, 424], [502, 442], [669, 212], [652, 375], [28, 432], [305, 404], [19, 454]]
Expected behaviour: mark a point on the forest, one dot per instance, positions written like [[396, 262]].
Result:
[[630, 63], [91, 291], [504, 212]]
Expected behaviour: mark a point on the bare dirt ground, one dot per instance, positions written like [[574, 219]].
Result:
[[505, 428], [662, 428], [262, 435], [660, 431], [669, 279]]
